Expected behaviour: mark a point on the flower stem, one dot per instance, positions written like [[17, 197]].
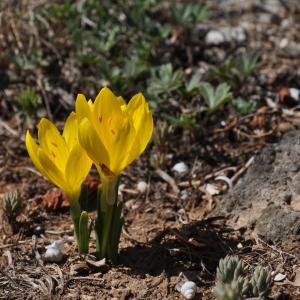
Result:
[[108, 222], [80, 221]]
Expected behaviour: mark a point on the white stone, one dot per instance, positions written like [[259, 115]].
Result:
[[295, 93], [180, 168], [54, 252], [142, 187], [225, 34], [214, 37], [279, 277], [188, 290]]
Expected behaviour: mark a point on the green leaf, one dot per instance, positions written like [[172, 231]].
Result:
[[84, 233], [215, 98], [193, 84], [247, 64], [244, 106], [164, 80]]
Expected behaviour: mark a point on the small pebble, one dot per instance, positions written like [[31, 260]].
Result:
[[180, 169], [295, 93], [239, 246], [54, 251], [142, 187], [279, 277], [183, 195], [225, 34], [188, 289]]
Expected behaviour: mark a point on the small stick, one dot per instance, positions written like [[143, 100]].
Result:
[[166, 177], [12, 245]]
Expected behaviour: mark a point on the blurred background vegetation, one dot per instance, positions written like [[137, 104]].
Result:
[[52, 50]]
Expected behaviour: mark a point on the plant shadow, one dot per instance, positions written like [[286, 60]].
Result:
[[197, 246]]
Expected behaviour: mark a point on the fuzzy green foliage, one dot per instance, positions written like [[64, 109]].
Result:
[[215, 97], [28, 99], [13, 206], [261, 282], [230, 269], [193, 85], [232, 284], [188, 14], [233, 290], [244, 106], [164, 80], [247, 64], [236, 70]]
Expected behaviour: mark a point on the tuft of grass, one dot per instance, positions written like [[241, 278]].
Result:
[[13, 206], [244, 106], [163, 81], [185, 14], [28, 99], [247, 64]]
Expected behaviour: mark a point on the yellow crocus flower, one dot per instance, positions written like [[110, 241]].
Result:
[[58, 157], [112, 132]]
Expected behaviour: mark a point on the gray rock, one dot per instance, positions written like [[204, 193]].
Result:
[[222, 35], [268, 196]]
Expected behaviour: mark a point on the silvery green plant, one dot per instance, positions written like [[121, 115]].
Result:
[[261, 282], [247, 64], [232, 284], [235, 290], [230, 269], [164, 80], [13, 207], [214, 97]]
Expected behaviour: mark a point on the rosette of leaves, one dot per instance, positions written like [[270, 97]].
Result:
[[261, 282], [234, 290], [13, 207], [230, 268]]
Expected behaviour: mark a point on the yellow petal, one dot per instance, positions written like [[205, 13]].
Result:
[[138, 109], [122, 147], [70, 133], [77, 168], [108, 116], [52, 143], [52, 172], [92, 144], [32, 149], [83, 109], [121, 101]]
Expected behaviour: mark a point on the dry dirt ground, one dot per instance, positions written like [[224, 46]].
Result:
[[181, 227]]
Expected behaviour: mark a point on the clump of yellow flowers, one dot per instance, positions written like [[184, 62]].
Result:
[[108, 133]]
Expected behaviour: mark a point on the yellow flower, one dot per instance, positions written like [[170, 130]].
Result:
[[58, 157], [112, 132]]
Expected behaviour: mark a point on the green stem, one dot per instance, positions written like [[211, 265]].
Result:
[[105, 223], [84, 236], [76, 212]]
